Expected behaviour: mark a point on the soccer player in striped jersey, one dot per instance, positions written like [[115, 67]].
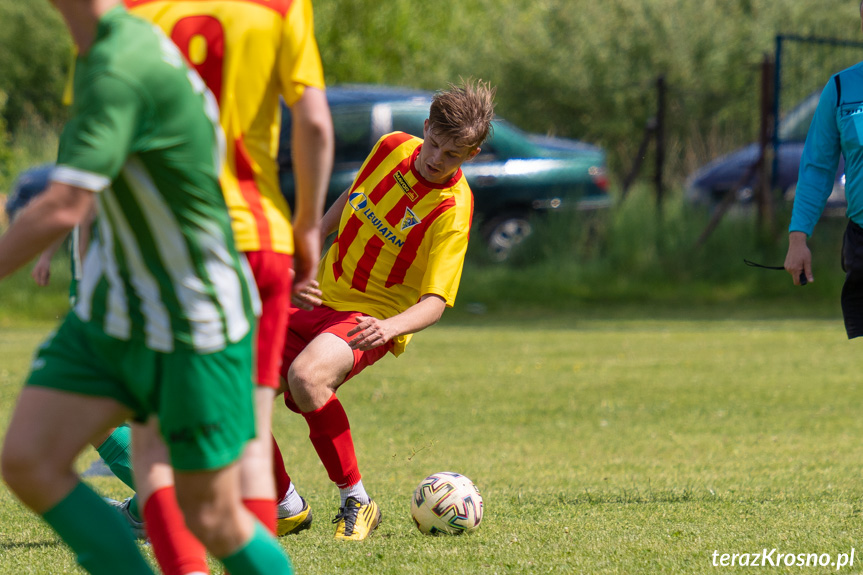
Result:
[[249, 53], [394, 267], [164, 321]]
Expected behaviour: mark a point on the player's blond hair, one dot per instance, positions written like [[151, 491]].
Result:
[[463, 113]]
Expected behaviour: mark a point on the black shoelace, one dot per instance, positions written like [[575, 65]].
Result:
[[803, 280], [349, 514]]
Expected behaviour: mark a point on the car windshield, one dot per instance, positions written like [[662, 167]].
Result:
[[795, 125]]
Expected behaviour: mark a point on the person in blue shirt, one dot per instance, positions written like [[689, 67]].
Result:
[[837, 128]]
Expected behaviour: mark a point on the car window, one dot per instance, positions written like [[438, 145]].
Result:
[[284, 157], [353, 129], [795, 125], [409, 119], [487, 153], [353, 135]]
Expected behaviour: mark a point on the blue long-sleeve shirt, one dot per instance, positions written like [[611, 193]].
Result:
[[837, 128]]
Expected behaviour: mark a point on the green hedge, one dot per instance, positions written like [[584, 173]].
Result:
[[570, 67]]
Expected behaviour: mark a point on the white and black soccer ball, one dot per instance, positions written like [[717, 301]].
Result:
[[446, 502]]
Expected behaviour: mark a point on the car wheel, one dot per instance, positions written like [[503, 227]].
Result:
[[504, 233]]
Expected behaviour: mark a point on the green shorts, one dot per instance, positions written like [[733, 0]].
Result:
[[204, 401]]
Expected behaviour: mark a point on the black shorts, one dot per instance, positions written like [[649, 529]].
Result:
[[852, 290]]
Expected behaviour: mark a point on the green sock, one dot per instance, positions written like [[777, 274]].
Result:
[[97, 534], [261, 555], [116, 452]]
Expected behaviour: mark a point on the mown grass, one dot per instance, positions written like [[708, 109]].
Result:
[[600, 445]]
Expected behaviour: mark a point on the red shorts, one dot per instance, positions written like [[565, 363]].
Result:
[[304, 326], [273, 277]]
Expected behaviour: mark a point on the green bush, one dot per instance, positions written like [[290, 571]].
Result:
[[6, 152], [569, 67], [588, 69], [35, 53]]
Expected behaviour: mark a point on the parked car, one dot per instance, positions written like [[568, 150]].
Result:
[[516, 176], [708, 185]]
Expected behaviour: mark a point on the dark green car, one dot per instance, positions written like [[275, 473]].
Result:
[[515, 176]]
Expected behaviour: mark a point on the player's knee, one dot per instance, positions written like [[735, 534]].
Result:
[[202, 522], [215, 524], [23, 467], [303, 383], [201, 515]]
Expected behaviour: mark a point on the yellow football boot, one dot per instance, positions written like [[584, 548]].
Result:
[[295, 523], [356, 521]]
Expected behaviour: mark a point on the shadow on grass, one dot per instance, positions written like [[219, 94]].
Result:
[[25, 545]]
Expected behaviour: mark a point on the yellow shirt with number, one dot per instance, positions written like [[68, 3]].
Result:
[[249, 52]]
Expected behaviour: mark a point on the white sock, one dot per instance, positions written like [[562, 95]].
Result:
[[357, 491], [291, 505]]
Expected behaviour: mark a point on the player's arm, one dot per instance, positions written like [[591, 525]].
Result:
[[86, 232], [312, 143], [47, 219], [41, 273], [814, 184], [372, 332], [330, 221]]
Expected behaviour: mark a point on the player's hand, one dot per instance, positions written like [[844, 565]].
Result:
[[799, 258], [308, 297], [42, 272], [370, 333]]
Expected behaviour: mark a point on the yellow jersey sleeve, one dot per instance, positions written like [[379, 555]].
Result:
[[300, 59]]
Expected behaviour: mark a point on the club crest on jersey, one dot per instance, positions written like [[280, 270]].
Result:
[[412, 195], [410, 220], [358, 201]]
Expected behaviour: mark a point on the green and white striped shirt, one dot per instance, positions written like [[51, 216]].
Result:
[[144, 133]]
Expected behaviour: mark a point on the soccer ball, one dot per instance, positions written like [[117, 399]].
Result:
[[446, 502]]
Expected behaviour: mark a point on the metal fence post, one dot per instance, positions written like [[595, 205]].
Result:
[[766, 219], [660, 140]]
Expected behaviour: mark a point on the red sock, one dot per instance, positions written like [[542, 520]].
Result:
[[264, 510], [176, 549], [330, 433], [283, 480]]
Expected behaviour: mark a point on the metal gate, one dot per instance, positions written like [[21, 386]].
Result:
[[804, 64]]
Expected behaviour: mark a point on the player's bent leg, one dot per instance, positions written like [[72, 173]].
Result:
[[48, 430], [313, 378], [214, 512], [316, 372], [330, 433]]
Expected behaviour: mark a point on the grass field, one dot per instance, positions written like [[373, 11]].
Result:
[[600, 446]]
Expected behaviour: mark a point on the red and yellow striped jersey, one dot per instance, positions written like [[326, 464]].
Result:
[[400, 236], [249, 52]]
